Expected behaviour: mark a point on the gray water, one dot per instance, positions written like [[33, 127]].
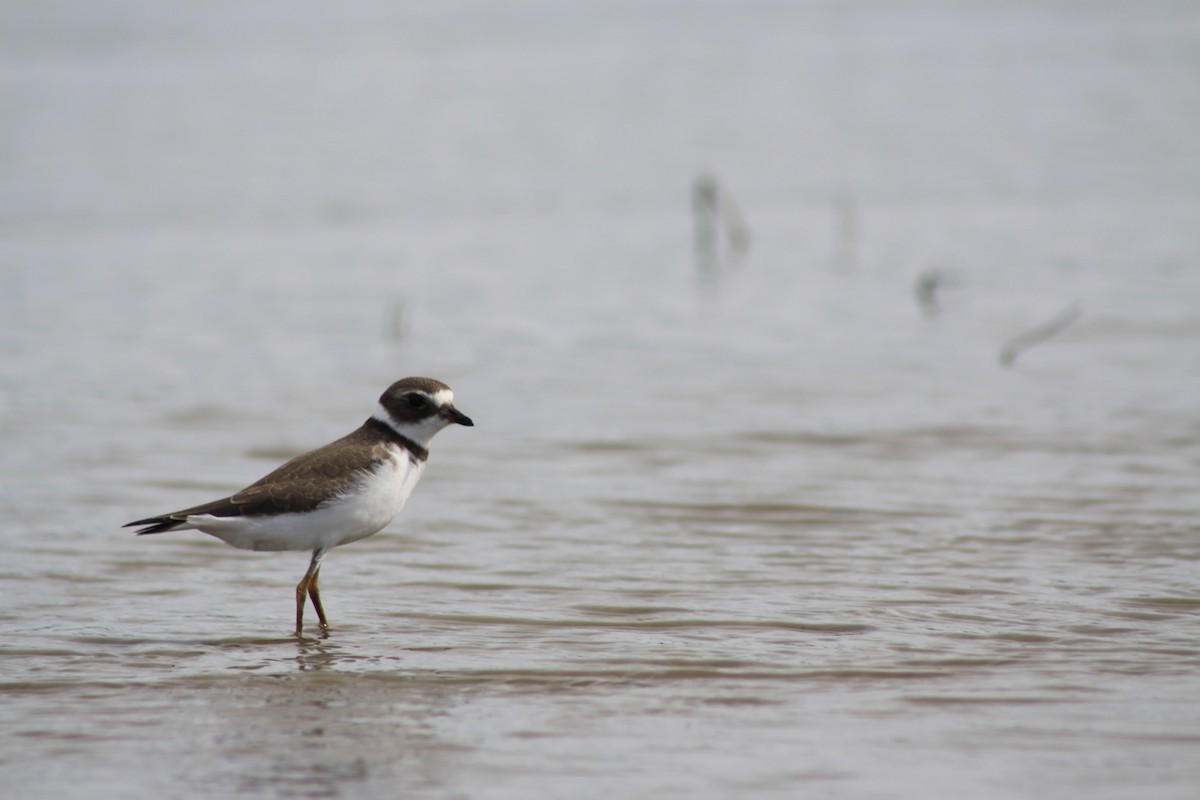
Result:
[[759, 528]]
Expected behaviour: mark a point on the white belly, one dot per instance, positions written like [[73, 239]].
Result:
[[355, 515]]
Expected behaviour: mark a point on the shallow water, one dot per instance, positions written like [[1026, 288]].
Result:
[[756, 530]]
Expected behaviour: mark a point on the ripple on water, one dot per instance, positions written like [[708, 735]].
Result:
[[655, 624]]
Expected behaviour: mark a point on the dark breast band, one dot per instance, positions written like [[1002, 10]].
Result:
[[386, 432]]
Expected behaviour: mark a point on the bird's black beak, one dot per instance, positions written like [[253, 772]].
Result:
[[454, 415]]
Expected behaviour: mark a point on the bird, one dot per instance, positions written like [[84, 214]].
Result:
[[342, 492]]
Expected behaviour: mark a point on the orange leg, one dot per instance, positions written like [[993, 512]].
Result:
[[308, 587], [315, 595]]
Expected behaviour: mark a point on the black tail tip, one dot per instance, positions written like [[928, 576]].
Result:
[[152, 525]]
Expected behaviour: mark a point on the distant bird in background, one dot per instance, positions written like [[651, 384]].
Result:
[[340, 493]]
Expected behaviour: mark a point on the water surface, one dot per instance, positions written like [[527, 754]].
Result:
[[765, 530]]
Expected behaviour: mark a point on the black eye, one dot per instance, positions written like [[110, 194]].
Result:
[[417, 401]]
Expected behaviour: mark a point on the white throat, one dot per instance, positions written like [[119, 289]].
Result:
[[418, 432]]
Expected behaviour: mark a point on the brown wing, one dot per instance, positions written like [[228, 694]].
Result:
[[297, 486]]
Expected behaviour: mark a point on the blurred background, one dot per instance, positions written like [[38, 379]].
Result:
[[834, 367]]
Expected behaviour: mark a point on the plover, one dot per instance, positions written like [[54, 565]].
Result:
[[336, 494]]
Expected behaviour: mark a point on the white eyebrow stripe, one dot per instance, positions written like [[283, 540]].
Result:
[[443, 397]]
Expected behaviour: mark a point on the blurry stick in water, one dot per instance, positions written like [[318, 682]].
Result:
[[714, 212], [736, 230], [845, 212], [1035, 336], [928, 287], [704, 224]]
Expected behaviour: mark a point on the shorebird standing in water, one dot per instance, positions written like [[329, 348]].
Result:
[[340, 493]]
